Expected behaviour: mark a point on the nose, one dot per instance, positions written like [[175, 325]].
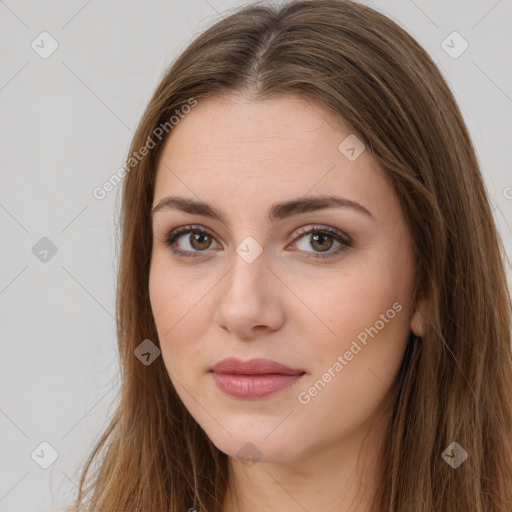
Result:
[[249, 302]]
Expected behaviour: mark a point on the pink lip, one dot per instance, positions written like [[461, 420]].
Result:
[[256, 378]]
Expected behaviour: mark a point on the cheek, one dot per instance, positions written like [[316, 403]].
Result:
[[180, 318], [354, 367], [363, 313], [341, 308], [172, 298]]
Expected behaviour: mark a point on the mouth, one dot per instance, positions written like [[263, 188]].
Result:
[[256, 378], [258, 366]]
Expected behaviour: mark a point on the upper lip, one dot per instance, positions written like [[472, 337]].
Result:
[[258, 366]]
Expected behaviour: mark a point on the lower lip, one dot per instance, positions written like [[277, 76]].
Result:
[[253, 386]]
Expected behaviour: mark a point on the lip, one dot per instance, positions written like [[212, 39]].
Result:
[[255, 378], [258, 366]]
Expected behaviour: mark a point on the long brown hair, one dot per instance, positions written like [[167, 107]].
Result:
[[455, 383]]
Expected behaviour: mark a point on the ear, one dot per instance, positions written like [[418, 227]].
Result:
[[419, 317]]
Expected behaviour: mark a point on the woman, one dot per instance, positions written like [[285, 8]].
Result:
[[313, 311]]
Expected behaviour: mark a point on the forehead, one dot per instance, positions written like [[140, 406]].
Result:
[[250, 152], [232, 126]]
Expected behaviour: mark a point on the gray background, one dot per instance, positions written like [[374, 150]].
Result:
[[66, 125]]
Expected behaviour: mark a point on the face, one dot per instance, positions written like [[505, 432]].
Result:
[[324, 289]]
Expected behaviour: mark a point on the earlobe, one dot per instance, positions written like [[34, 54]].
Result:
[[417, 324], [418, 319]]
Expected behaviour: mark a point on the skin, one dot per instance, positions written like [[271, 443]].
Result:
[[243, 155]]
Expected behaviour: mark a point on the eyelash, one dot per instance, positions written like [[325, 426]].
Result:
[[171, 238]]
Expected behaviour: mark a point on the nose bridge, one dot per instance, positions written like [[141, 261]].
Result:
[[246, 300], [246, 279]]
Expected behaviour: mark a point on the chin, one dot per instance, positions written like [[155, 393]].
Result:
[[254, 446]]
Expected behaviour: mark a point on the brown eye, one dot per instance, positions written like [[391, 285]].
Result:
[[200, 241], [321, 242]]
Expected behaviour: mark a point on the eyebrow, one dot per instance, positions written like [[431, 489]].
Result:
[[276, 212]]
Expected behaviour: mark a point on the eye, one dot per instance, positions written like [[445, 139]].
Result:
[[321, 239], [200, 240]]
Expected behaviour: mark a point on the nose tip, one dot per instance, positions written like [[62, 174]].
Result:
[[247, 304]]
